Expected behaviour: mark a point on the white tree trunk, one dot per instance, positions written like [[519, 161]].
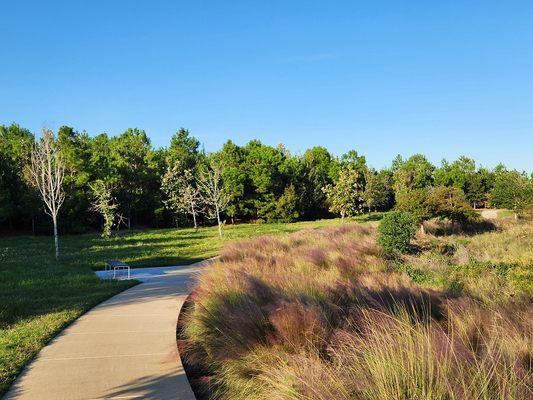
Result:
[[219, 224], [56, 238], [193, 212]]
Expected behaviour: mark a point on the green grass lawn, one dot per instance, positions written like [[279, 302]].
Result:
[[505, 213], [39, 296]]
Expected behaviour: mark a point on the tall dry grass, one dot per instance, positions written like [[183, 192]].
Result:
[[321, 314]]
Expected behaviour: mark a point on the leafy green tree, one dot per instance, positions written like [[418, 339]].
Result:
[[287, 206], [5, 200], [345, 196], [135, 172], [101, 163], [18, 199], [414, 202], [353, 159], [231, 161], [319, 169], [450, 202], [415, 173], [462, 175], [75, 153], [263, 165], [184, 149], [378, 194], [475, 189], [512, 190], [397, 163]]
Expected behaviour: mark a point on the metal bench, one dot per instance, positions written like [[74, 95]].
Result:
[[116, 265]]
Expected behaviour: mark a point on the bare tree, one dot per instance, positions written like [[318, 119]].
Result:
[[193, 199], [46, 173], [213, 194]]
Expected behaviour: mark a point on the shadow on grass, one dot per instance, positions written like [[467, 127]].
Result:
[[446, 228]]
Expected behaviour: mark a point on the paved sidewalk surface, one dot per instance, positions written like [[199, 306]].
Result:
[[124, 348]]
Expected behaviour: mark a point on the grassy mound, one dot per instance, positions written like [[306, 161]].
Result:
[[321, 314]]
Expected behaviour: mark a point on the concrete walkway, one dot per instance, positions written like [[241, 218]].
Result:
[[125, 348]]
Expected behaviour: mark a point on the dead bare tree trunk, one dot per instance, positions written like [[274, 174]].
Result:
[[47, 173]]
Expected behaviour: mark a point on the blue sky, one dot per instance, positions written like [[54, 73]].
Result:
[[389, 77]]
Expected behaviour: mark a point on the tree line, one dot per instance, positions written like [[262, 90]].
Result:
[[123, 181]]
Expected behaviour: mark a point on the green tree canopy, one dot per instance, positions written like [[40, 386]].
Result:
[[415, 173], [512, 190]]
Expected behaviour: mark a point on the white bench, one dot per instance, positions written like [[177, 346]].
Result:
[[116, 265]]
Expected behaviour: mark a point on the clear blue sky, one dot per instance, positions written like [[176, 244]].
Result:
[[443, 78]]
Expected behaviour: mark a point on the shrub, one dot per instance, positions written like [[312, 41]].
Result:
[[396, 231]]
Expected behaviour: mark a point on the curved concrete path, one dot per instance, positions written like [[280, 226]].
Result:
[[124, 348]]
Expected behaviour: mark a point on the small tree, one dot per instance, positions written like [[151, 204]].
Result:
[[104, 204], [46, 174], [287, 205], [345, 197], [512, 190], [213, 194], [378, 191], [191, 197], [414, 201], [182, 196], [450, 202], [396, 230]]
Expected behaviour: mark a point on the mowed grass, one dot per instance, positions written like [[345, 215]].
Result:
[[39, 296]]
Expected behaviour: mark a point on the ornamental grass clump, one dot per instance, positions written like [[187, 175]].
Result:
[[323, 314]]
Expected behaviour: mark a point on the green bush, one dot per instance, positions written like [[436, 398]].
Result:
[[396, 231]]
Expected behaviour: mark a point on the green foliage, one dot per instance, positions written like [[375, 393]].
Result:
[[104, 204], [261, 181], [183, 149], [450, 202], [230, 159], [287, 206], [319, 169], [378, 194], [415, 173], [414, 201], [18, 200], [396, 231], [417, 275], [512, 190], [345, 196], [462, 174]]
